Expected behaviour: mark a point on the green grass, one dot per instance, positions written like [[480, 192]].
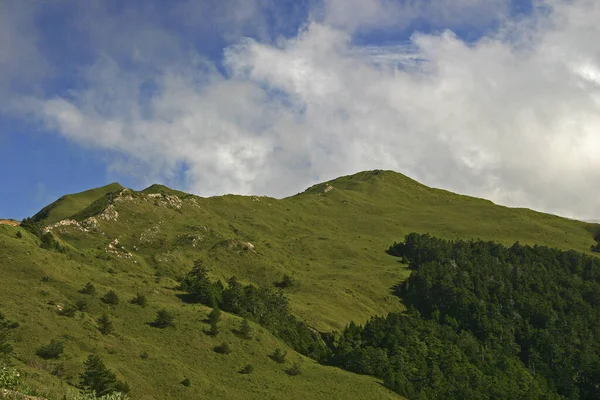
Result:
[[70, 204], [331, 239]]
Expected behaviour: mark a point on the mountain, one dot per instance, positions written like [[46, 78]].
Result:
[[328, 243]]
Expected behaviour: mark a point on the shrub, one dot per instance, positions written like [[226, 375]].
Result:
[[88, 288], [5, 327], [278, 356], [186, 382], [223, 348], [140, 300], [163, 319], [49, 242], [68, 311], [9, 377], [286, 282], [110, 298], [248, 368], [81, 305], [19, 235], [105, 325], [294, 370], [52, 350], [144, 355]]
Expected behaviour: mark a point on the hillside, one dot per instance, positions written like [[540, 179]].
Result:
[[331, 240]]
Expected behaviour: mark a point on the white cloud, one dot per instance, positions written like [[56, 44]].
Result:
[[513, 117]]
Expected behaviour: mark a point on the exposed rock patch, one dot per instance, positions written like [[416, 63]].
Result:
[[109, 214], [64, 223], [118, 250], [165, 200], [9, 222]]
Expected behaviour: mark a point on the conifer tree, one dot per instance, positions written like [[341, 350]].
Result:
[[245, 329], [105, 325], [97, 377]]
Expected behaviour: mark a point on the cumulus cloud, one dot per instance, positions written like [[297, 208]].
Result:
[[513, 116]]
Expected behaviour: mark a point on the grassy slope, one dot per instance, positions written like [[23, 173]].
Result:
[[69, 204], [33, 278], [331, 241]]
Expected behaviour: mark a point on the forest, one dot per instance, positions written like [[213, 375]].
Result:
[[483, 321]]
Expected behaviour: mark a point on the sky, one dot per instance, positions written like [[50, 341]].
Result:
[[492, 98]]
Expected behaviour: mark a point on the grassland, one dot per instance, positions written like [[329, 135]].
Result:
[[331, 239]]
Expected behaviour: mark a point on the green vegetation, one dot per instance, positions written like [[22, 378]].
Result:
[[140, 300], [164, 319], [5, 344], [304, 267], [223, 348], [486, 321], [105, 325], [52, 350], [89, 288], [111, 298], [97, 378]]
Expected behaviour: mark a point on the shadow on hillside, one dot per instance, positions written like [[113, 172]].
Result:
[[186, 298]]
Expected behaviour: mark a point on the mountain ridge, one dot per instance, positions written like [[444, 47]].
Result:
[[327, 244]]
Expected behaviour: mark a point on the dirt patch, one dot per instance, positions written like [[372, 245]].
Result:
[[10, 222]]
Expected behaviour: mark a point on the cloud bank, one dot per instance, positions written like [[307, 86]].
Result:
[[513, 116]]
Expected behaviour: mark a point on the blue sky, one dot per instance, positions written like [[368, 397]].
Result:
[[497, 99]]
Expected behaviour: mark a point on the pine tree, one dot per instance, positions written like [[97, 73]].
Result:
[[163, 319], [215, 315], [245, 329], [140, 300], [278, 356], [214, 329], [105, 325], [111, 298], [97, 377], [89, 288]]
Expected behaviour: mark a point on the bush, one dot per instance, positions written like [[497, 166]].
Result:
[[144, 355], [81, 305], [294, 370], [9, 377], [105, 325], [286, 282], [248, 369], [223, 348], [19, 235], [140, 300], [186, 382], [88, 289], [52, 350], [110, 298], [68, 311], [49, 242], [5, 327], [278, 356], [164, 319]]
